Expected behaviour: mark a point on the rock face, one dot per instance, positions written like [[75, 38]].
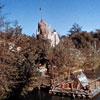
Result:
[[44, 32]]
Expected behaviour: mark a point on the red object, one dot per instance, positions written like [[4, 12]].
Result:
[[62, 85], [67, 85], [72, 85]]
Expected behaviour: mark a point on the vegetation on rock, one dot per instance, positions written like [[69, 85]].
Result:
[[20, 56]]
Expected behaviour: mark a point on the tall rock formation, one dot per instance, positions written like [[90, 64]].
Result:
[[44, 32]]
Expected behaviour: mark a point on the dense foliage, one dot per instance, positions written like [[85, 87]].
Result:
[[20, 56]]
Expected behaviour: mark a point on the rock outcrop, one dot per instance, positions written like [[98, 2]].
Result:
[[44, 32]]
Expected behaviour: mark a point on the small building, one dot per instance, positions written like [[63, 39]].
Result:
[[80, 79]]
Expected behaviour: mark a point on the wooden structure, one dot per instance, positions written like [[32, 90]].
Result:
[[76, 85]]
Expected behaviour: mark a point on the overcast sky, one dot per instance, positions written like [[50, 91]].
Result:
[[60, 14]]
